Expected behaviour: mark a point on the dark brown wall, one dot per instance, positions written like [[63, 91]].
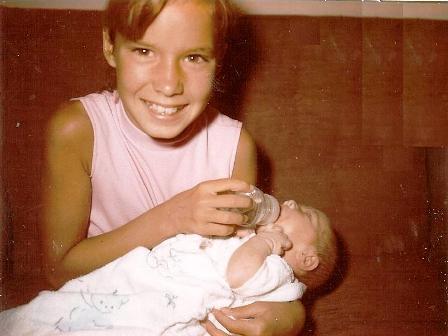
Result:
[[343, 110]]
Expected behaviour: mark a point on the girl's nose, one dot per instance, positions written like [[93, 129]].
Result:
[[167, 79]]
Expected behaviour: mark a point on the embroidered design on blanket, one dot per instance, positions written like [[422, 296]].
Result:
[[93, 312], [171, 300], [167, 261]]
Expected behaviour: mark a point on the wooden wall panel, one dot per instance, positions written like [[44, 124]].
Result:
[[47, 57], [382, 78], [425, 96]]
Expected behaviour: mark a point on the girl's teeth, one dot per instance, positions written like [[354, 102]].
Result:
[[163, 110]]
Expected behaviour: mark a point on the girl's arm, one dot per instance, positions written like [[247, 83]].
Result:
[[67, 193], [67, 201], [245, 167]]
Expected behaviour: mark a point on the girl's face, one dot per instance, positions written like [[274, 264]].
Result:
[[165, 79]]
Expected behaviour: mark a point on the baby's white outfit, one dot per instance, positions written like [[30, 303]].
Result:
[[166, 291]]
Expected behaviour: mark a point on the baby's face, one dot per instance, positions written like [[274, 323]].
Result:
[[302, 224]]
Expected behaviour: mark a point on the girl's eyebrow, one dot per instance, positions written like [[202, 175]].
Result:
[[200, 51], [140, 43]]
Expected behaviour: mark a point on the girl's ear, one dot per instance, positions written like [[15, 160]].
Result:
[[108, 49], [307, 259]]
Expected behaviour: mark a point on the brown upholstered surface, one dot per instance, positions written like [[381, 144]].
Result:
[[342, 110]]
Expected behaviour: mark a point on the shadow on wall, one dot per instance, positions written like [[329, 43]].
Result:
[[230, 86], [237, 66], [336, 279]]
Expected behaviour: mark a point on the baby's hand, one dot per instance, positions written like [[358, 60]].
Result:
[[275, 238], [269, 228]]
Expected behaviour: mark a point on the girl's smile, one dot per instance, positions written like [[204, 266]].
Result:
[[163, 110]]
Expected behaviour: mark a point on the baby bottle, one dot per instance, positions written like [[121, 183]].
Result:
[[265, 208]]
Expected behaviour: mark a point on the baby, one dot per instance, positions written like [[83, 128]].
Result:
[[173, 288], [302, 236]]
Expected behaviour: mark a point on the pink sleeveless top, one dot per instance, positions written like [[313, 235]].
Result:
[[132, 172]]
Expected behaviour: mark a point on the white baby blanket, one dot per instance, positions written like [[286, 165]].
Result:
[[166, 291]]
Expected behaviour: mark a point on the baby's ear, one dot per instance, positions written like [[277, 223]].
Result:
[[291, 204], [307, 259]]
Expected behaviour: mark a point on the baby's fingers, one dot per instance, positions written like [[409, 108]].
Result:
[[282, 244], [286, 244]]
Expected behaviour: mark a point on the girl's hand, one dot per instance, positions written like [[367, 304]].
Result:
[[197, 210], [260, 318]]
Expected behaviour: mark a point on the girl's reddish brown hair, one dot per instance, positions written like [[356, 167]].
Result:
[[131, 18]]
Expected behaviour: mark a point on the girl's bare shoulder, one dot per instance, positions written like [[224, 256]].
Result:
[[69, 130], [70, 123]]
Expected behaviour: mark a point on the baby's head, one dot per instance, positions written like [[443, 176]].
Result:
[[314, 252], [131, 18]]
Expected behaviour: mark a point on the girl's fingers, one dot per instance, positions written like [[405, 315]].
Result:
[[220, 230], [212, 330], [230, 201], [227, 184], [227, 217], [242, 232], [234, 325], [243, 312]]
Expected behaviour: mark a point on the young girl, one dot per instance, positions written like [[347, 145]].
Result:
[[141, 164]]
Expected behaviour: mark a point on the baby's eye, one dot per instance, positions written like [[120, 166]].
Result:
[[307, 214], [196, 58]]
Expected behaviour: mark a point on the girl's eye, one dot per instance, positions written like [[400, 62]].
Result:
[[197, 59], [143, 51]]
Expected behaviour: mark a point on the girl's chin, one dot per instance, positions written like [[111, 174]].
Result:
[[166, 135]]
